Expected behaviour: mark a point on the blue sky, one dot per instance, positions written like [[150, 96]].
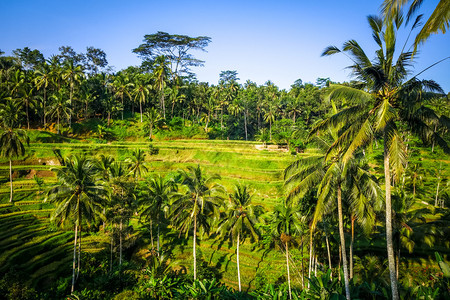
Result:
[[279, 41]]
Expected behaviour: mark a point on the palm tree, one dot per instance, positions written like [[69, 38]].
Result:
[[27, 97], [136, 163], [160, 72], [193, 209], [42, 80], [286, 223], [153, 117], [141, 90], [121, 199], [59, 107], [438, 21], [240, 220], [78, 196], [122, 86], [383, 96], [328, 174], [73, 74], [156, 196], [11, 141]]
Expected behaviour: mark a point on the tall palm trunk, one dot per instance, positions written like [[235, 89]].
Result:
[[245, 124], [303, 268], [287, 267], [79, 251], [351, 247], [163, 104], [120, 242], [237, 260], [194, 246], [74, 257], [123, 107], [389, 236], [342, 237], [44, 104], [328, 251], [140, 106], [10, 181], [28, 117], [111, 262]]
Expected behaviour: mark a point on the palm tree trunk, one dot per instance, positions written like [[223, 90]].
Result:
[[303, 268], [140, 106], [79, 252], [163, 104], [389, 236], [120, 243], [194, 246], [10, 181], [44, 104], [111, 262], [123, 107], [287, 267], [328, 251], [435, 199], [351, 247], [398, 261], [74, 257], [70, 115], [342, 237], [237, 260], [315, 265], [340, 260], [59, 131], [310, 257], [158, 238], [151, 234], [245, 124], [28, 117]]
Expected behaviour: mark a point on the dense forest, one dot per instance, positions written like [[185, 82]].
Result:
[[147, 184]]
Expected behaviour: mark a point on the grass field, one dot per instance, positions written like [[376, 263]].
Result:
[[29, 243]]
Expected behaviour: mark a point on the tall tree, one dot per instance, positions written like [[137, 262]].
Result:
[[194, 209], [161, 72], [175, 47], [156, 196], [386, 97], [240, 220], [438, 21], [73, 73], [141, 90], [78, 196], [287, 222], [12, 145]]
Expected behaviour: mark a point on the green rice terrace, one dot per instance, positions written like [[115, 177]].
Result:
[[148, 182]]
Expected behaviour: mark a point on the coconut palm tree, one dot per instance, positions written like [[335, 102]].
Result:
[[240, 220], [73, 74], [136, 163], [42, 80], [153, 117], [286, 223], [122, 87], [194, 209], [78, 196], [141, 90], [59, 107], [122, 199], [161, 72], [438, 21], [382, 97], [12, 145], [154, 201]]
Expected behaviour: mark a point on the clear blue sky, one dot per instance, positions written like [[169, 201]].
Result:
[[279, 40]]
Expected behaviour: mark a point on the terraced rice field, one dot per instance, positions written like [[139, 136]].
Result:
[[29, 243]]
